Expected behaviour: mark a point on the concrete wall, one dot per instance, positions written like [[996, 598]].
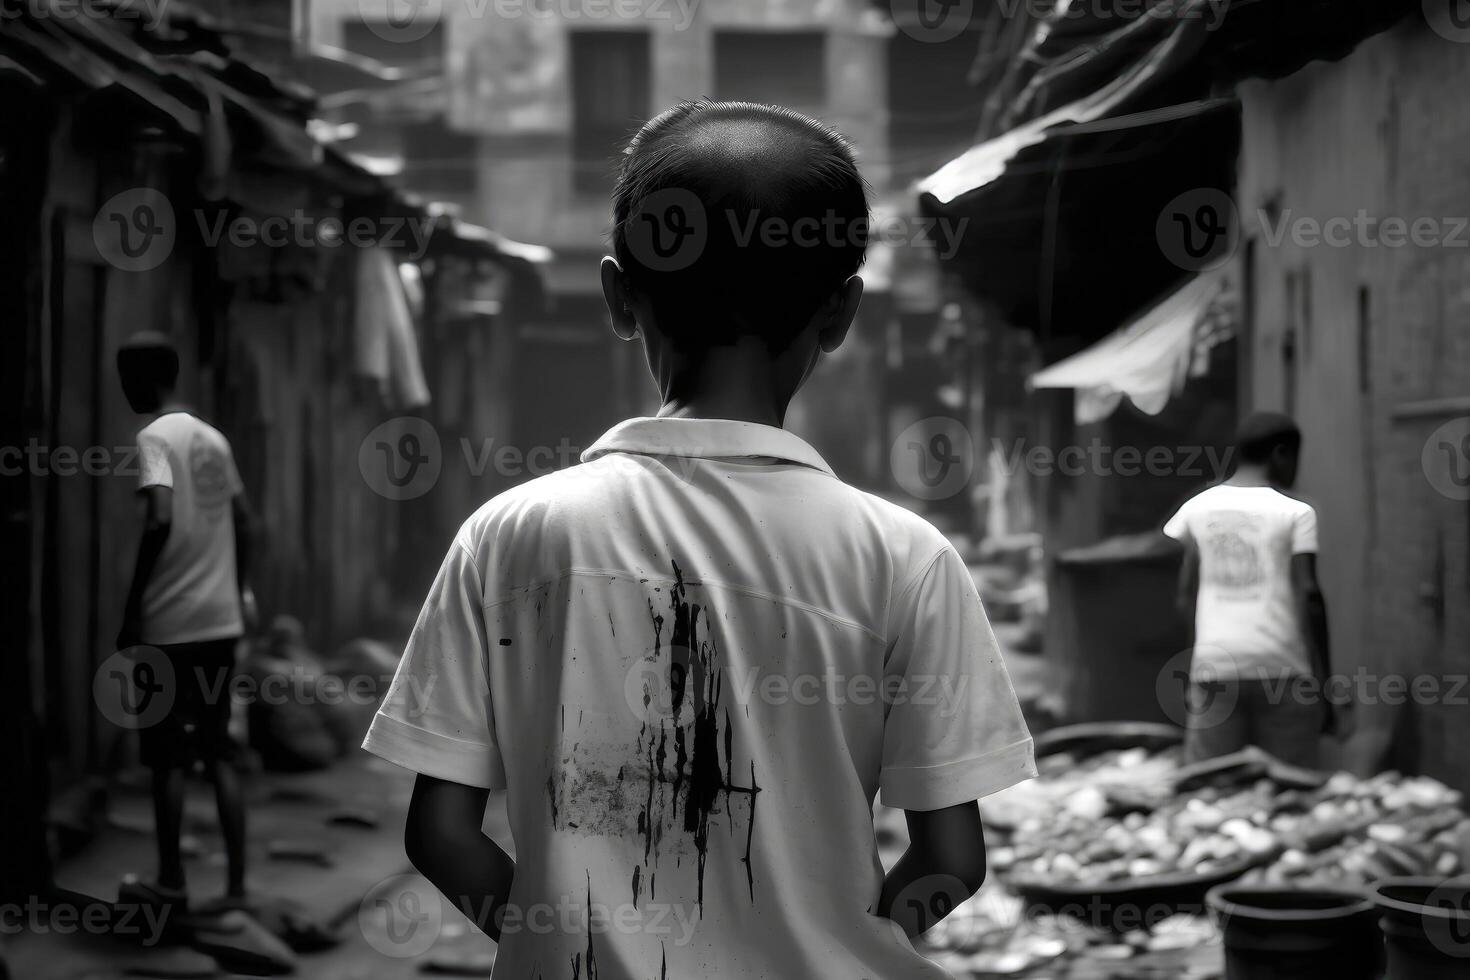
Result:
[[510, 84], [1381, 338]]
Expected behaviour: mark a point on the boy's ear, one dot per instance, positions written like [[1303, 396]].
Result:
[[618, 296], [838, 313]]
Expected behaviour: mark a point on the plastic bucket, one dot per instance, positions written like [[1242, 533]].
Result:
[[1297, 934], [1427, 924]]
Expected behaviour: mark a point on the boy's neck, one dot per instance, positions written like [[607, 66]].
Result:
[[1250, 475], [727, 383]]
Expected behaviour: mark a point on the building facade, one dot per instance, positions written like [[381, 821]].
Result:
[[1356, 260]]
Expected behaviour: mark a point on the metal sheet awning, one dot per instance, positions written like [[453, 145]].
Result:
[[1149, 360], [1056, 223]]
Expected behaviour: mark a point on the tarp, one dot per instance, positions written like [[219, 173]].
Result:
[[1112, 113], [1079, 47], [387, 348], [1149, 360], [1055, 224]]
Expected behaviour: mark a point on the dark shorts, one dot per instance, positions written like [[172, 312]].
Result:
[[1227, 715], [196, 726]]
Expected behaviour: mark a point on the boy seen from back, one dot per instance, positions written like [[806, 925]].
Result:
[[1248, 587], [188, 605], [693, 661]]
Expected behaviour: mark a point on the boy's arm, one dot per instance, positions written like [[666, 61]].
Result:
[[158, 505], [1187, 596], [954, 734], [244, 520], [1311, 606], [943, 866], [444, 841]]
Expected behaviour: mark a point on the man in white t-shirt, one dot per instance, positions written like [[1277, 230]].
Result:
[[186, 607], [694, 660], [1249, 588]]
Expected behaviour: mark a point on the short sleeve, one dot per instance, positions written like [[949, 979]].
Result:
[[1304, 531], [436, 718], [154, 468], [954, 731], [1177, 527]]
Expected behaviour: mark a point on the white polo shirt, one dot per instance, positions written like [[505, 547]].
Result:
[[691, 662]]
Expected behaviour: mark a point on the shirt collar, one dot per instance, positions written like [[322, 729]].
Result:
[[706, 439]]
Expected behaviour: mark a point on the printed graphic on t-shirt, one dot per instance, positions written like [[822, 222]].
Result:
[[1233, 554], [663, 787], [209, 477]]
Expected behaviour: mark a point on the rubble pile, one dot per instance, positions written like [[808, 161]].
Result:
[[1128, 816], [1106, 858]]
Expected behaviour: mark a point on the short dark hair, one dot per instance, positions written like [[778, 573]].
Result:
[[766, 212], [1262, 433], [149, 358]]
